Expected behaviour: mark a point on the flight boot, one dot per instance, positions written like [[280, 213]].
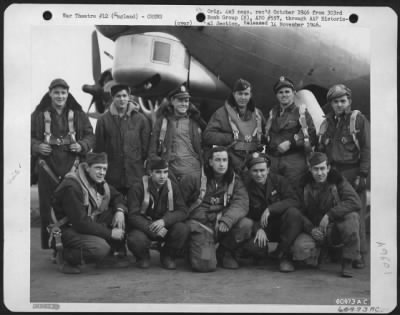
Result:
[[346, 271], [286, 265], [69, 269], [359, 263], [226, 258], [143, 262], [167, 258]]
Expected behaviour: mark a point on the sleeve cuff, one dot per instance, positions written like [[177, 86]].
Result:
[[121, 209]]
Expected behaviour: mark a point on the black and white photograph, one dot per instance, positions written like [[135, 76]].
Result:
[[200, 158]]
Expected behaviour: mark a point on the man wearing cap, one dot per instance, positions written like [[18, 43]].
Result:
[[123, 133], [156, 213], [91, 215], [290, 133], [61, 134], [345, 137], [238, 125], [219, 204], [176, 135], [273, 211], [331, 210]]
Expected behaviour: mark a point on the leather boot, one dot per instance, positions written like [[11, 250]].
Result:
[[143, 262], [286, 265], [113, 262], [359, 263], [69, 269], [226, 258], [346, 268], [167, 259]]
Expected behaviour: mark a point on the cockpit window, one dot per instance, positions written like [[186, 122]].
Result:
[[161, 52]]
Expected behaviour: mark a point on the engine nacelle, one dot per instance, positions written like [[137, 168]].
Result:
[[155, 63]]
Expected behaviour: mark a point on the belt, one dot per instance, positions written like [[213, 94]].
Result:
[[60, 141]]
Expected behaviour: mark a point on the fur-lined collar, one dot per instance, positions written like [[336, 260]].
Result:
[[45, 103], [334, 177], [167, 110], [130, 108], [251, 105]]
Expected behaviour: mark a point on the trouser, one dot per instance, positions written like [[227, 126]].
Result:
[[139, 242], [202, 243], [344, 233], [84, 248], [350, 172], [46, 187], [283, 229], [292, 166], [347, 232]]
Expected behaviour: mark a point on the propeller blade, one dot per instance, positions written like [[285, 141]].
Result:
[[96, 62]]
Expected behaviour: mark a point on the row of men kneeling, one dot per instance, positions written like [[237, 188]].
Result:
[[239, 214]]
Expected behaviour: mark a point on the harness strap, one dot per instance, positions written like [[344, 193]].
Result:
[[303, 121], [235, 129], [258, 129], [268, 125], [228, 194], [203, 188], [71, 127], [146, 197], [353, 130], [47, 126], [47, 123], [170, 196], [322, 130], [163, 129]]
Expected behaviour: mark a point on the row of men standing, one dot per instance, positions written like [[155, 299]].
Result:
[[179, 135]]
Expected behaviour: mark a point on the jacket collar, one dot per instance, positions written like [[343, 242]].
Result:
[[334, 177], [288, 109], [130, 108]]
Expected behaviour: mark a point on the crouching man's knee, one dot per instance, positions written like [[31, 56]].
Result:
[[242, 230], [99, 249]]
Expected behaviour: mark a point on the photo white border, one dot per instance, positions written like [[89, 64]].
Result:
[[19, 18]]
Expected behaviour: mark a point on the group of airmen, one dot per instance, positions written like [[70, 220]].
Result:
[[210, 193]]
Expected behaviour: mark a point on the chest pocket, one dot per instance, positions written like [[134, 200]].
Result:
[[291, 124]]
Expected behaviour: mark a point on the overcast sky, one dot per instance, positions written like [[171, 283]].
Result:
[[65, 52]]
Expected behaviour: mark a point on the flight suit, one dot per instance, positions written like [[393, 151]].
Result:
[[338, 144], [285, 125]]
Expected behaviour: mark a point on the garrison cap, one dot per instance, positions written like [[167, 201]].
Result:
[[180, 92], [58, 82], [283, 82], [241, 84], [117, 87], [257, 158], [96, 158], [317, 158], [338, 90], [157, 163]]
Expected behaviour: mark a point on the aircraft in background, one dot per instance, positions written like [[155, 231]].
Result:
[[153, 60]]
